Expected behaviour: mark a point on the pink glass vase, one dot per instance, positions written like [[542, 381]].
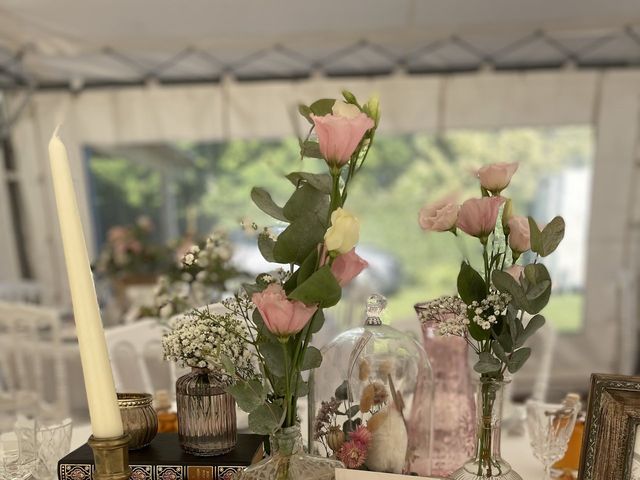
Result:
[[454, 404]]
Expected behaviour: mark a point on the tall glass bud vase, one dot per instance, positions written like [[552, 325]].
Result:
[[487, 463], [454, 402], [206, 414]]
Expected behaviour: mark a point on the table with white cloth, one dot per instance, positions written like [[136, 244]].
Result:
[[515, 449]]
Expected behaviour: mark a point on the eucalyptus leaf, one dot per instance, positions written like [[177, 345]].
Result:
[[535, 324], [471, 286], [487, 363], [266, 419], [342, 392], [307, 268], [307, 203], [507, 284], [310, 149], [321, 289], [552, 235], [249, 394], [266, 245], [228, 365], [517, 359], [535, 236], [312, 359], [264, 202], [296, 242], [351, 425], [319, 181], [352, 410], [505, 340], [305, 112], [499, 351], [322, 107], [273, 356], [537, 274], [317, 321]]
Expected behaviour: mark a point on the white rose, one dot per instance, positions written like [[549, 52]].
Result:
[[347, 110], [344, 232]]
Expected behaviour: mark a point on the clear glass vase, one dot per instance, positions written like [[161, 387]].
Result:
[[206, 414], [487, 463], [454, 402], [288, 461]]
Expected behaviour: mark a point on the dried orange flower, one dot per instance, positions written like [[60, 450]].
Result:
[[366, 399], [380, 393], [364, 370]]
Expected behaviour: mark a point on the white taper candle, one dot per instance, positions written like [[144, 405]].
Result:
[[98, 377]]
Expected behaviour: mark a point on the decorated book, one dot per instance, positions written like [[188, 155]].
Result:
[[165, 460]]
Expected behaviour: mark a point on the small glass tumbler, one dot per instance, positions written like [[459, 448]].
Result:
[[53, 439], [549, 426], [18, 454]]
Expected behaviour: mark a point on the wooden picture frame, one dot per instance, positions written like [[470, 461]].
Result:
[[613, 417]]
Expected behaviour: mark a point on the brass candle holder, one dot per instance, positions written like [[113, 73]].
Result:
[[111, 457]]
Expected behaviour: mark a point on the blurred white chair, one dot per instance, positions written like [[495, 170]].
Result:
[[21, 292], [136, 357], [32, 368]]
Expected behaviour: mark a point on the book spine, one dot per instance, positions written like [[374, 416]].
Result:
[[67, 471]]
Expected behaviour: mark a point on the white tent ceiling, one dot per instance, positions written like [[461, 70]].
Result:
[[54, 44]]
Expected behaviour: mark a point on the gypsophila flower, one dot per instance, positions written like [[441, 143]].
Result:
[[448, 312], [209, 340], [486, 312]]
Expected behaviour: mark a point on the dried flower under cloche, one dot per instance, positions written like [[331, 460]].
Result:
[[366, 384]]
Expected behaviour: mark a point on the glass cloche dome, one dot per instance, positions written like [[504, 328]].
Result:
[[371, 399]]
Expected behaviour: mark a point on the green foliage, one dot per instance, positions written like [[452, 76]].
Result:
[[321, 288], [487, 363], [312, 359], [264, 202], [265, 419], [249, 394], [471, 286], [546, 241]]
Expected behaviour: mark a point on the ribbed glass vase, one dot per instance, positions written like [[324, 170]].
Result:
[[487, 462], [206, 414], [289, 461]]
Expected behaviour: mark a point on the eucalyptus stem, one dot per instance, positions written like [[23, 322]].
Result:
[[287, 386], [487, 277]]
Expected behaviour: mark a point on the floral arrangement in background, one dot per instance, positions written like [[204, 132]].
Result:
[[317, 248], [200, 276], [130, 251], [499, 306], [205, 339]]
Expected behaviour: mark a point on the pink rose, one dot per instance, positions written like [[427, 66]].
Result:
[[440, 216], [348, 266], [515, 271], [339, 133], [283, 317], [519, 236], [496, 177], [477, 216]]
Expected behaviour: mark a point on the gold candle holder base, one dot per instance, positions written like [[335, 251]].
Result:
[[111, 457]]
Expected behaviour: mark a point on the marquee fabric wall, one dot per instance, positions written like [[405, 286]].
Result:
[[608, 100]]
